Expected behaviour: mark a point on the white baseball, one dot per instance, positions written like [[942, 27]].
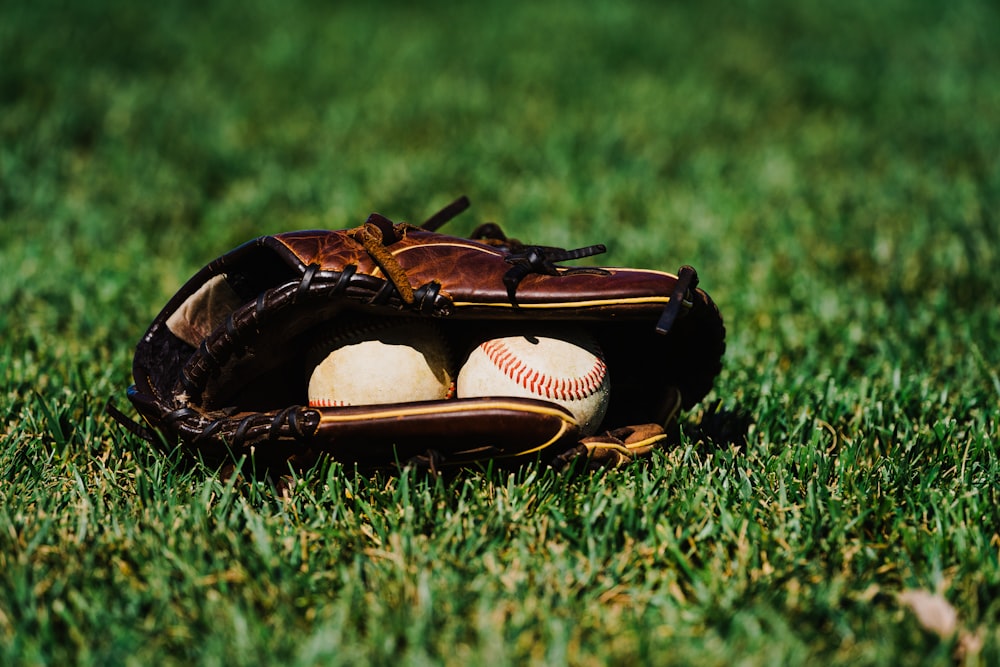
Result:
[[567, 369], [381, 361]]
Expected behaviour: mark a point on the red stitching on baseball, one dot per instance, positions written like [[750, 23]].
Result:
[[327, 403], [552, 387]]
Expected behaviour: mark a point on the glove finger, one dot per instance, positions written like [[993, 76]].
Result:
[[614, 449]]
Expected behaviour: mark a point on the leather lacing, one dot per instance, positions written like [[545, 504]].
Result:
[[379, 232], [528, 259], [687, 279], [542, 259]]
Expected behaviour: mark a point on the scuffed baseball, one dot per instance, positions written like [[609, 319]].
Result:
[[379, 361], [564, 368]]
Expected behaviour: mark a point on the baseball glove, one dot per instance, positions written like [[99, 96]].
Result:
[[223, 368]]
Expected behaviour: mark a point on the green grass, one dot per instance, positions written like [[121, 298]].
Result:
[[831, 170]]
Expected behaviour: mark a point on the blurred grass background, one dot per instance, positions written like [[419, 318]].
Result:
[[831, 170]]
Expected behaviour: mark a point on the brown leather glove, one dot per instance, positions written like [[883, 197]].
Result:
[[223, 367]]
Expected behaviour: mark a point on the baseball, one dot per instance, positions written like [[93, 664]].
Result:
[[567, 369], [378, 361]]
